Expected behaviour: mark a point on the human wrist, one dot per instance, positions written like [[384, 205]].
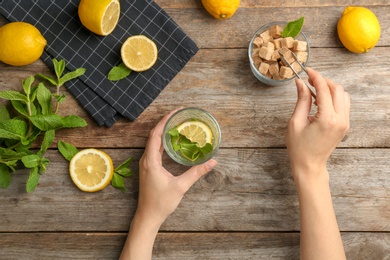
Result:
[[310, 176]]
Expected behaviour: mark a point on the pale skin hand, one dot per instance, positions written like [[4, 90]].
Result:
[[310, 141], [160, 194]]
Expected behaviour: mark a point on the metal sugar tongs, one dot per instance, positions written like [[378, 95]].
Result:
[[295, 72]]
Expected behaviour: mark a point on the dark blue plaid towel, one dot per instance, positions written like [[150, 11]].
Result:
[[67, 39]]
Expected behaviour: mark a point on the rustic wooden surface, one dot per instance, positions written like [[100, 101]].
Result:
[[247, 207]]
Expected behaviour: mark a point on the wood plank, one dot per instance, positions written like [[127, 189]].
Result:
[[250, 190], [221, 81], [358, 246]]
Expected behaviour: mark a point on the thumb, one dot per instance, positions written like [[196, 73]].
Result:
[[303, 105], [188, 178]]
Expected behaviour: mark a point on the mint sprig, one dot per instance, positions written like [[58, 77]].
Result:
[[188, 149], [293, 28], [122, 171], [33, 120]]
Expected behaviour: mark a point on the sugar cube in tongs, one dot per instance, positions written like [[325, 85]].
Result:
[[293, 68]]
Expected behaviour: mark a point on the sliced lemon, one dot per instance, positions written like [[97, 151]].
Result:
[[139, 53], [91, 170], [100, 17], [197, 132]]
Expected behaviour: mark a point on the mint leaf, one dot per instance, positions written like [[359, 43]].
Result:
[[4, 115], [293, 28], [47, 141], [67, 150], [47, 122], [59, 67], [27, 85], [123, 169], [33, 179], [118, 182], [50, 79], [5, 176], [20, 107], [13, 95], [44, 99], [73, 121], [13, 129], [119, 72], [31, 161], [71, 75]]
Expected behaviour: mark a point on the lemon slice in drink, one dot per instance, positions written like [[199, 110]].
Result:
[[100, 17], [139, 53], [91, 170], [197, 132]]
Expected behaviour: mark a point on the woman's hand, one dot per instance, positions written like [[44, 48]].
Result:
[[311, 139]]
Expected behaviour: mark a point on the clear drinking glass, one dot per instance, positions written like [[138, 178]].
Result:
[[191, 114]]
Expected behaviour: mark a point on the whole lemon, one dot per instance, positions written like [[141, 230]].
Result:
[[20, 43], [221, 9], [358, 29]]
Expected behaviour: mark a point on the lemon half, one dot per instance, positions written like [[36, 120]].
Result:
[[197, 132], [139, 53], [99, 16]]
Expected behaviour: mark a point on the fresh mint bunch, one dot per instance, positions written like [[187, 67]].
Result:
[[188, 149], [122, 171], [33, 118]]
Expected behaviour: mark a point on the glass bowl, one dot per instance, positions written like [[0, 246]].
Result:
[[268, 81]]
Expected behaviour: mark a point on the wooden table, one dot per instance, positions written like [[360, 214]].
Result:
[[247, 207]]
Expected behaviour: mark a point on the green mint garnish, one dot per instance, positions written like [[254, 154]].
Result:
[[119, 72], [293, 28], [189, 150]]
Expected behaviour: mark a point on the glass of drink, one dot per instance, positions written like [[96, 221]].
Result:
[[191, 136]]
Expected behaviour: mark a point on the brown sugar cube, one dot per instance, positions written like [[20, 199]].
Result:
[[284, 50], [276, 31], [256, 61], [277, 43], [268, 75], [255, 52], [266, 36], [276, 77], [287, 42], [258, 42], [263, 68], [285, 72], [301, 56], [269, 45], [265, 53], [289, 58], [275, 56], [296, 66], [273, 68], [299, 45]]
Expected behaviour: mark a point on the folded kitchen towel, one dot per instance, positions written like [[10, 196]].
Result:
[[106, 101]]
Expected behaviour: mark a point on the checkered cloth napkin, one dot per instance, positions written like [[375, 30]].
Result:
[[107, 101]]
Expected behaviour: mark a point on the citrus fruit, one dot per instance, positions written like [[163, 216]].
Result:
[[100, 17], [20, 43], [358, 29], [91, 170], [139, 53], [221, 9], [196, 131]]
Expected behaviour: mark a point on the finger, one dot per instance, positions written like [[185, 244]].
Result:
[[154, 144], [347, 103], [303, 105], [337, 94], [324, 99], [188, 178]]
